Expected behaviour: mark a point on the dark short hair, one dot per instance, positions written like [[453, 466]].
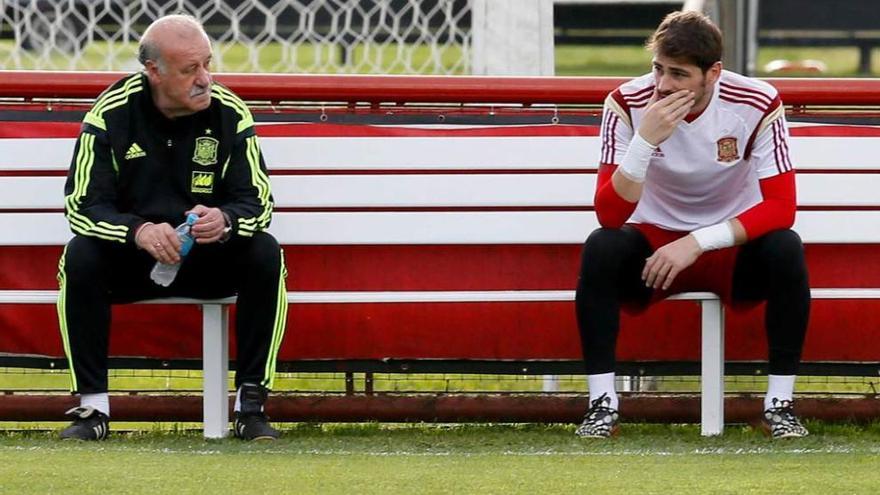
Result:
[[688, 36]]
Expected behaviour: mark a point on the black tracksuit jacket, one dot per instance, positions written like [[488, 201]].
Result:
[[132, 165]]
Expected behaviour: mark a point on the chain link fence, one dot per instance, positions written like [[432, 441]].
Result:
[[300, 36]]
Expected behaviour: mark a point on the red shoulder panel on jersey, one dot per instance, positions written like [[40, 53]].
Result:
[[776, 103], [745, 95], [618, 97], [638, 98]]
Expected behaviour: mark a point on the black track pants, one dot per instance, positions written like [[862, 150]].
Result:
[[94, 273], [770, 268]]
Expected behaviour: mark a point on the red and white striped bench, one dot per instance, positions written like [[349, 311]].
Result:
[[411, 240]]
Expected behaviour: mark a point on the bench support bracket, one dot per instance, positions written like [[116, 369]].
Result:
[[712, 373], [215, 367]]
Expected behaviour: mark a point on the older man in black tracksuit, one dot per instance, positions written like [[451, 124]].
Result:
[[155, 146]]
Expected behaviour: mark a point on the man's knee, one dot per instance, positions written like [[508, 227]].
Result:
[[783, 253], [783, 239], [784, 244], [605, 251], [606, 246], [263, 254], [604, 242], [83, 259]]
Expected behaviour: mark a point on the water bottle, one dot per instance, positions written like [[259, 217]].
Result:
[[163, 274]]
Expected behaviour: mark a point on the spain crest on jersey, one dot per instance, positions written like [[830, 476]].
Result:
[[727, 149], [206, 151]]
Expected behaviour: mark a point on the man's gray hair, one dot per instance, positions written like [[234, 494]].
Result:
[[148, 49]]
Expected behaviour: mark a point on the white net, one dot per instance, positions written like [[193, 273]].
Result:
[[302, 36]]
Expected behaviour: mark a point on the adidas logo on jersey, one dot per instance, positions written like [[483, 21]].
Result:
[[658, 153], [134, 151]]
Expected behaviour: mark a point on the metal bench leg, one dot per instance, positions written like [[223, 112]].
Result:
[[712, 379], [215, 367]]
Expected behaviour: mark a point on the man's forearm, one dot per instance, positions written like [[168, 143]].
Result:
[[626, 188]]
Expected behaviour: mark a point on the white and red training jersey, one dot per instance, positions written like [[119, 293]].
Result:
[[708, 170]]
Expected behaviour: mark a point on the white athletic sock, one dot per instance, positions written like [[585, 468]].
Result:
[[602, 384], [779, 387], [101, 402], [237, 407]]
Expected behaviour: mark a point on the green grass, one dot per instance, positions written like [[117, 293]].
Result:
[[602, 61], [385, 459], [238, 57], [632, 60], [588, 60]]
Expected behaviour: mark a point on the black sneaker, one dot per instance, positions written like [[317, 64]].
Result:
[[781, 422], [601, 421], [88, 424], [251, 423], [254, 426]]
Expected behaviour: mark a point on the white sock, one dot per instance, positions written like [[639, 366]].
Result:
[[779, 387], [100, 401], [602, 384], [237, 407]]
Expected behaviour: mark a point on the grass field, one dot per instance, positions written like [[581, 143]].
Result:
[[316, 58], [376, 458], [631, 61]]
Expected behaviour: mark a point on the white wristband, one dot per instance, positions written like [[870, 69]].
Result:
[[716, 236], [635, 162]]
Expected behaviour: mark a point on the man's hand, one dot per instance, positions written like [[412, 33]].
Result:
[[160, 241], [209, 227], [664, 114], [668, 261]]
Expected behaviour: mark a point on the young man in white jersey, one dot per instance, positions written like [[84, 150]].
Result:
[[695, 192]]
